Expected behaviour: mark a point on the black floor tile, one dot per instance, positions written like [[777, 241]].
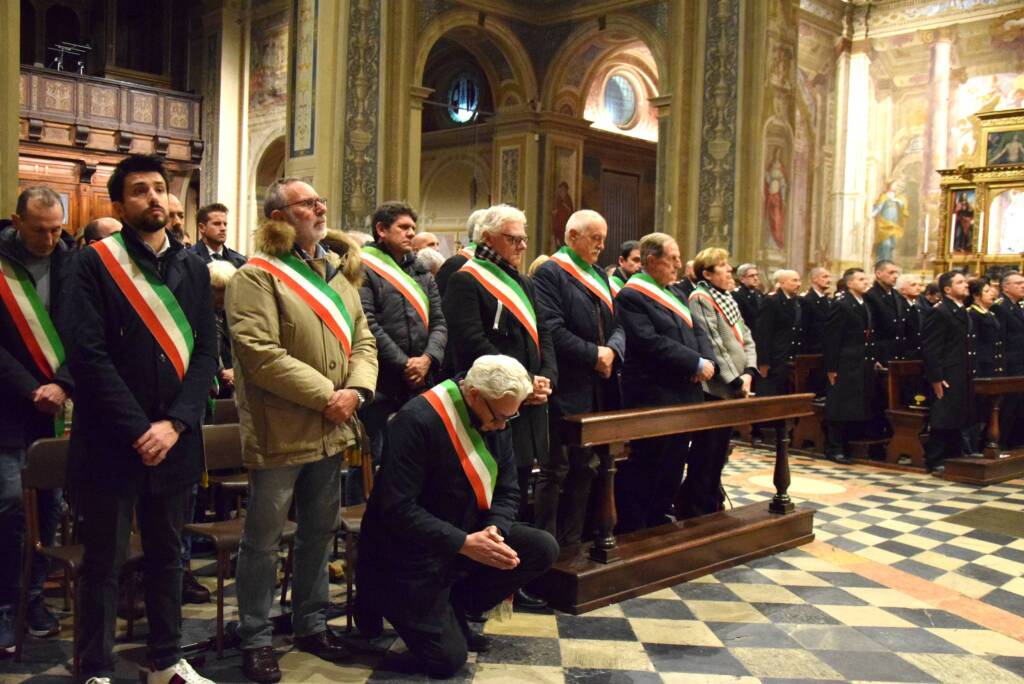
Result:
[[846, 579], [909, 640], [520, 650], [742, 575], [983, 574], [703, 591], [695, 659], [1006, 600], [1010, 554], [581, 676], [576, 627], [932, 617], [751, 635], [846, 544], [827, 596], [937, 535], [1013, 664], [665, 609], [795, 614], [899, 548], [919, 569], [991, 537], [883, 532], [887, 667]]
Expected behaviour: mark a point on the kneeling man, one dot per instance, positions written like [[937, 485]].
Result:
[[438, 539]]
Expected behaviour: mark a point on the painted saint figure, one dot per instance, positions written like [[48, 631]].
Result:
[[1011, 153], [775, 198], [963, 224], [890, 213], [561, 212]]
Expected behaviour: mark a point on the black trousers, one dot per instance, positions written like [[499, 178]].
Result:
[[701, 491], [942, 444], [106, 527], [477, 588], [646, 483], [839, 434], [563, 487]]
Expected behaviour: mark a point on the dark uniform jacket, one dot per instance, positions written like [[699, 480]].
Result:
[[451, 265], [988, 342], [419, 515], [476, 327], [124, 381], [683, 289], [948, 354], [814, 310], [20, 422], [1011, 320], [777, 339], [850, 353], [236, 259], [749, 300], [913, 326], [887, 313], [399, 330], [579, 322], [662, 353]]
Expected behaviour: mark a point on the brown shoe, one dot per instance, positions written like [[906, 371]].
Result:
[[260, 665], [324, 645], [192, 591]]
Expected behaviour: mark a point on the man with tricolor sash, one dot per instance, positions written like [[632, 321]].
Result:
[[304, 362], [35, 260], [459, 259], [575, 300], [668, 358], [439, 538], [142, 347], [403, 309], [628, 264]]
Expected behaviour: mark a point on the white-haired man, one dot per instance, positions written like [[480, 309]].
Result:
[[909, 286], [577, 303], [748, 294], [777, 335], [814, 305], [439, 538], [458, 260]]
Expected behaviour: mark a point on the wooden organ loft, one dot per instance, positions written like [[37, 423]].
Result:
[[100, 79]]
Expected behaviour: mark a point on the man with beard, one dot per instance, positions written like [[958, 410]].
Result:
[[142, 347], [213, 234], [176, 220]]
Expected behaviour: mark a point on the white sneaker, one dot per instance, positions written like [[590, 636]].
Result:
[[179, 673], [98, 680]]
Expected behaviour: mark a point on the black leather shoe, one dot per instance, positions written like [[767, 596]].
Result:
[[937, 470], [841, 459], [260, 665], [477, 642], [324, 645], [525, 600], [192, 591]]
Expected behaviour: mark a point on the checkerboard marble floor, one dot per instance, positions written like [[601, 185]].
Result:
[[890, 591]]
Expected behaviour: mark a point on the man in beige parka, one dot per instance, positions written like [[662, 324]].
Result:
[[305, 361]]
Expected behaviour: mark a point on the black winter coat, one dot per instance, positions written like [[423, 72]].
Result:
[[579, 322], [419, 515], [1011, 320], [476, 328], [778, 337], [948, 354], [887, 314], [662, 353], [749, 300], [850, 353], [450, 266], [399, 330], [913, 326], [20, 422], [988, 342], [814, 310], [236, 259], [125, 382]]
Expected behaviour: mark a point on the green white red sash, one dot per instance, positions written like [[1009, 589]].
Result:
[[507, 291], [477, 462], [33, 323], [151, 299], [585, 274], [383, 265], [615, 283], [700, 292], [645, 284], [469, 250], [301, 279]]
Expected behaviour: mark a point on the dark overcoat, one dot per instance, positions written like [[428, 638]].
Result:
[[850, 353], [948, 353], [988, 342], [236, 259], [748, 299], [777, 340], [813, 315], [1011, 321], [887, 315]]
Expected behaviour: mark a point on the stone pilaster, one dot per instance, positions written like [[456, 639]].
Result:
[[10, 42]]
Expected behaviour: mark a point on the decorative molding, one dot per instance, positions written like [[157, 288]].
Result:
[[86, 170], [35, 129], [900, 16], [301, 141], [508, 188], [124, 141], [362, 97], [717, 188], [81, 135]]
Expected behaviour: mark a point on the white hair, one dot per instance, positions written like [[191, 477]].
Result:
[[498, 215], [742, 269], [906, 279], [430, 259], [784, 273], [473, 228], [817, 271], [581, 220], [359, 236], [496, 377], [221, 272]]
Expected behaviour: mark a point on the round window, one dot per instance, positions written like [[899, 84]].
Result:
[[620, 100], [463, 98]]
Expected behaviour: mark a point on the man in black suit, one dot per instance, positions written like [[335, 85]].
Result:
[[439, 539], [748, 294], [777, 336], [886, 311], [949, 365], [141, 386], [212, 221], [1009, 309], [575, 300], [815, 305], [628, 263], [909, 287], [459, 259]]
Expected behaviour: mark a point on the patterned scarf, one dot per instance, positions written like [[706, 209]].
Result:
[[724, 300], [487, 254]]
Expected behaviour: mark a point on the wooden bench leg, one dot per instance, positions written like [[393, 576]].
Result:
[[604, 548], [781, 503]]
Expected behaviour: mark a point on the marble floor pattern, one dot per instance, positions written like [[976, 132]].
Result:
[[891, 590]]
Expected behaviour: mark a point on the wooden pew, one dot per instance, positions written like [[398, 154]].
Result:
[[908, 424], [810, 429], [611, 569], [998, 465]]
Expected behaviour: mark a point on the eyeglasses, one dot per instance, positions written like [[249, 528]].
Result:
[[309, 203], [516, 240], [497, 417]]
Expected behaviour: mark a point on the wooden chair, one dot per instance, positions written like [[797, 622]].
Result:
[[46, 465], [225, 411], [222, 445], [909, 424], [351, 525]]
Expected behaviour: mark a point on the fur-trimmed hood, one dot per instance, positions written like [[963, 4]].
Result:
[[278, 237]]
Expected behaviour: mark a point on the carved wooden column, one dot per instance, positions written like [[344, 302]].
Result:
[[10, 42]]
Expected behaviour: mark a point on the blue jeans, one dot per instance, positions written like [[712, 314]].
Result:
[[12, 528], [316, 488], [186, 538]]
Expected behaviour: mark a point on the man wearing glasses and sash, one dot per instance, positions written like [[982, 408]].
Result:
[[439, 539]]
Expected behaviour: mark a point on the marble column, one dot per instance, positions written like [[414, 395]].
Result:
[[663, 207], [937, 125], [417, 96], [852, 232], [10, 47]]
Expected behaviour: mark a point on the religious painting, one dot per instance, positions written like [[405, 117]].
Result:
[[889, 212], [1005, 147], [776, 185], [962, 225], [1006, 222], [268, 75], [563, 194]]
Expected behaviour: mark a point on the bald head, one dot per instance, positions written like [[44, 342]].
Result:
[[424, 240], [100, 228], [585, 233], [788, 281], [175, 217]]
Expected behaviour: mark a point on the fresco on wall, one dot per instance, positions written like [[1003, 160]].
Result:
[[889, 212], [977, 95], [268, 75], [1006, 222], [775, 188]]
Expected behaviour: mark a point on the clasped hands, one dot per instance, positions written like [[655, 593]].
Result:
[[706, 372], [541, 391], [415, 372], [49, 398], [155, 442], [489, 548], [342, 404]]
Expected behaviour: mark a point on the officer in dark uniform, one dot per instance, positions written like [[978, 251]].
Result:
[[989, 347], [748, 295], [777, 336], [886, 311], [909, 287], [949, 364], [1009, 309], [815, 305], [850, 365]]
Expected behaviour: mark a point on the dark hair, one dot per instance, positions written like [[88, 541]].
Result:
[[932, 288], [975, 286], [135, 163], [849, 272], [1006, 276], [627, 247], [91, 232], [203, 215], [40, 193], [389, 212], [946, 280], [882, 263]]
